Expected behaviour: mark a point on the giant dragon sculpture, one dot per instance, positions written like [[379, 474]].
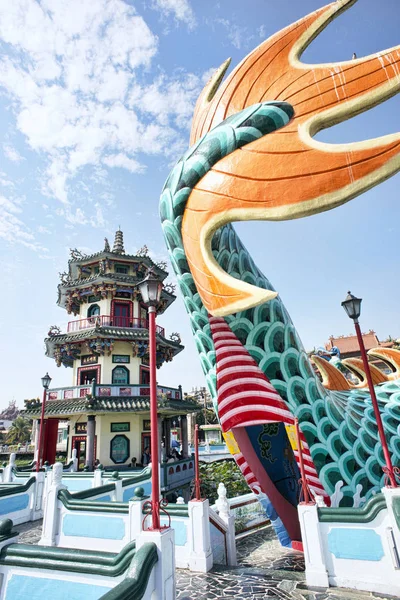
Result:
[[253, 157]]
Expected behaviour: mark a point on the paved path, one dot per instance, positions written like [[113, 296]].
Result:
[[29, 533], [266, 572]]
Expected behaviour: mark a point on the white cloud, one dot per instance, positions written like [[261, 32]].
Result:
[[180, 9], [12, 154], [42, 229], [12, 228], [78, 75], [121, 160], [239, 36]]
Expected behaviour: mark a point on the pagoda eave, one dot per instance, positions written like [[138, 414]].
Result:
[[65, 348], [99, 405]]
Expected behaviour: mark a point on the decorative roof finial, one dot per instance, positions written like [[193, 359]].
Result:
[[106, 245], [118, 247]]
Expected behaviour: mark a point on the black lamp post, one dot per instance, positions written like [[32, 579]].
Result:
[[352, 306], [150, 289], [46, 380]]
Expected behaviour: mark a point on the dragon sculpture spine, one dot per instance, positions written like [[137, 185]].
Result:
[[253, 157]]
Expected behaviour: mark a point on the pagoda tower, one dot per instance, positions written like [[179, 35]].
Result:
[[106, 347]]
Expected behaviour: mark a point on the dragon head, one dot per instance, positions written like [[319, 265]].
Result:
[[286, 174]]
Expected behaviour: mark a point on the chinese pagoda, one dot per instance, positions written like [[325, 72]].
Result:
[[106, 345]]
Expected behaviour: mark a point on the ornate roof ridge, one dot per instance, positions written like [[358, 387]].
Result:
[[115, 256]]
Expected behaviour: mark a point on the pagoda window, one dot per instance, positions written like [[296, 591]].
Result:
[[121, 269], [144, 376], [93, 310], [120, 376], [86, 376]]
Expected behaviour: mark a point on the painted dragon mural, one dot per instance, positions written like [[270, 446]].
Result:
[[253, 157]]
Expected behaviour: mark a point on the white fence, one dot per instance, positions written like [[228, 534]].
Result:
[[354, 547], [75, 522]]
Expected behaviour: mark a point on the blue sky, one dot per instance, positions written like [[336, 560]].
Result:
[[96, 98]]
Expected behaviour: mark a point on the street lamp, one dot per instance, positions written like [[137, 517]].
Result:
[[150, 289], [46, 380], [352, 306]]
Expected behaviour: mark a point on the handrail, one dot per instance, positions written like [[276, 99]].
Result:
[[177, 510], [134, 586], [345, 514], [111, 321], [27, 468], [17, 489], [101, 489], [71, 503], [107, 564], [142, 476]]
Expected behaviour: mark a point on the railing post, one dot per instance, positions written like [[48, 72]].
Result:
[[196, 464], [118, 493], [37, 496], [8, 471], [225, 514], [98, 476], [51, 512], [200, 556]]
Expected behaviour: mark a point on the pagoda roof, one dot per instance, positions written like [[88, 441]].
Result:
[[117, 278], [349, 343], [116, 333], [97, 256], [92, 405]]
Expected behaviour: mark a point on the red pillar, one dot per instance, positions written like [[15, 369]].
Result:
[[50, 440]]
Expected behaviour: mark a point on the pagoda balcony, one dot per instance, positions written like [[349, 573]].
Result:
[[108, 321], [111, 390]]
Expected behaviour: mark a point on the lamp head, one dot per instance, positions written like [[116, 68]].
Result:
[[352, 306], [150, 288], [46, 380]]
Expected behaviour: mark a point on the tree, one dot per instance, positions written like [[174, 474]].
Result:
[[226, 472], [19, 432]]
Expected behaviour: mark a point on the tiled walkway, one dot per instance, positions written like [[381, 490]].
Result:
[[266, 572]]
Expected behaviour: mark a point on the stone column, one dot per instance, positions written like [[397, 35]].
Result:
[[316, 572], [184, 434], [90, 436], [35, 438], [168, 436]]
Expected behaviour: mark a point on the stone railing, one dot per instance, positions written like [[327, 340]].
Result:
[[104, 390], [175, 474], [354, 547]]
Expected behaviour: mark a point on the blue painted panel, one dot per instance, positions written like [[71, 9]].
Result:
[[180, 530], [13, 504], [106, 528], [77, 485], [217, 539], [128, 491], [356, 544], [101, 499], [21, 587]]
